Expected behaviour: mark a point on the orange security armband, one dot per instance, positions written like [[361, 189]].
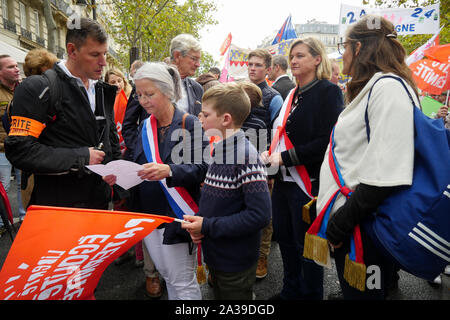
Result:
[[21, 126]]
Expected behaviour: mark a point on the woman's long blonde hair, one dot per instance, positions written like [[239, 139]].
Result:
[[380, 51], [126, 85], [316, 48]]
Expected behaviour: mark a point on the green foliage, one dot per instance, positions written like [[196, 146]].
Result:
[[206, 63], [150, 25], [412, 42]]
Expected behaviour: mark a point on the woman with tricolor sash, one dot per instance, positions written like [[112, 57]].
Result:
[[302, 130], [170, 147], [363, 163]]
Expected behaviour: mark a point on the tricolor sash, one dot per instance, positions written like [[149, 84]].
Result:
[[316, 246], [179, 199], [281, 142]]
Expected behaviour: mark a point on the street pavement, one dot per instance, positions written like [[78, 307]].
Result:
[[127, 282]]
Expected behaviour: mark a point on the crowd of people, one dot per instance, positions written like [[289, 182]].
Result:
[[262, 152]]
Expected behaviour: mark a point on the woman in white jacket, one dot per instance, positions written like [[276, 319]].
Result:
[[370, 168]]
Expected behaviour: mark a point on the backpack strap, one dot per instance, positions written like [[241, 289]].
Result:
[[366, 114], [55, 107]]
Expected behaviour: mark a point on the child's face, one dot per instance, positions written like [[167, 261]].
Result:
[[211, 122]]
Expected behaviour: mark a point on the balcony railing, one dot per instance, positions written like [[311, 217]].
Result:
[[25, 33], [40, 41], [9, 25]]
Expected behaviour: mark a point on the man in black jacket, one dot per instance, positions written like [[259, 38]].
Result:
[[56, 139], [281, 81]]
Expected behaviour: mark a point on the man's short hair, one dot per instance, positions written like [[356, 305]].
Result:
[[229, 98], [3, 56], [264, 54], [253, 92], [184, 43], [88, 28], [280, 60], [215, 70]]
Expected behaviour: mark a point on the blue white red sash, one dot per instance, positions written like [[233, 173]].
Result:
[[179, 199], [281, 142]]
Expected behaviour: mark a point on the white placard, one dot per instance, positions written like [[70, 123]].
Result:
[[420, 20]]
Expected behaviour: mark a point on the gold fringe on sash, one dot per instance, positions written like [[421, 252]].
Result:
[[306, 216], [316, 248], [355, 274], [201, 275]]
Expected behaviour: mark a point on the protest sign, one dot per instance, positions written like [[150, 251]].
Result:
[[61, 253], [420, 20], [431, 76]]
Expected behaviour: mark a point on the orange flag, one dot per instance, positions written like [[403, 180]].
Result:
[[431, 76], [61, 253], [120, 105], [440, 53], [226, 44]]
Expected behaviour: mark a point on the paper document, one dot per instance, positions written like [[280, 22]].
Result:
[[125, 171]]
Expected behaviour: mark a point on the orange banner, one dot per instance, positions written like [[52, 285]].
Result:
[[120, 105], [61, 253], [431, 76]]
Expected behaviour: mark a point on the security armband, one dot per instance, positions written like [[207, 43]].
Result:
[[21, 126]]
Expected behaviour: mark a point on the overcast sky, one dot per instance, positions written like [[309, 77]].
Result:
[[250, 21]]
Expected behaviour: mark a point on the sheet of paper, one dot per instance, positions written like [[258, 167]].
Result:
[[125, 171]]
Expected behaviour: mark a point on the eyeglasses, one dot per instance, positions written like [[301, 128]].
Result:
[[341, 47], [194, 59], [141, 97]]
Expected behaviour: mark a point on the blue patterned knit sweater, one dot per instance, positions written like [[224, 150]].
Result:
[[236, 206]]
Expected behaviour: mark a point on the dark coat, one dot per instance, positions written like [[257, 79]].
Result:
[[284, 85], [195, 93], [150, 197], [309, 126], [134, 115], [59, 155]]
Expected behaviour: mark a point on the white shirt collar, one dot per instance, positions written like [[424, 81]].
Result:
[[283, 75]]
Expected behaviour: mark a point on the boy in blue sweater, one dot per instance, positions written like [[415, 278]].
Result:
[[235, 202]]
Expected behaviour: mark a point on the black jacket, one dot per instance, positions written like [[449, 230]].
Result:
[[59, 155], [309, 126], [134, 115], [284, 85]]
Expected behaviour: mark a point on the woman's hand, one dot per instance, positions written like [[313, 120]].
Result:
[[110, 179], [274, 159], [154, 171]]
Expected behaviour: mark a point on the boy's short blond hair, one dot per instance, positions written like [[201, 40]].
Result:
[[229, 98]]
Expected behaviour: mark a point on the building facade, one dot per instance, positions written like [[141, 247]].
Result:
[[23, 27], [325, 32]]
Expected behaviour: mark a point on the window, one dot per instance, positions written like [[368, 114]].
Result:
[[5, 14], [23, 16], [37, 23]]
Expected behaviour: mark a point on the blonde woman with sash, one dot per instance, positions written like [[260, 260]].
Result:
[[302, 131], [171, 187]]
